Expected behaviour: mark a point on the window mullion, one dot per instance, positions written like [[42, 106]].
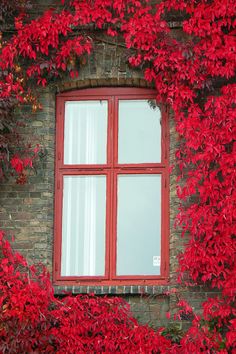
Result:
[[113, 195]]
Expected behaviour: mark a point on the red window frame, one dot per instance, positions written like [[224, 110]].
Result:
[[111, 170]]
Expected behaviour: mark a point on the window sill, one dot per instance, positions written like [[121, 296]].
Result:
[[112, 290]]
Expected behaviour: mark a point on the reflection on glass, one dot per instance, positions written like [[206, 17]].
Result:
[[85, 139], [139, 139], [83, 226], [139, 224]]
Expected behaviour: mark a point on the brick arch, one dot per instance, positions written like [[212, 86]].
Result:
[[107, 82]]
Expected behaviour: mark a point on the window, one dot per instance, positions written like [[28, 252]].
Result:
[[111, 206]]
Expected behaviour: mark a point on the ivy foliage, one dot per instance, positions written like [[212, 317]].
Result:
[[195, 76]]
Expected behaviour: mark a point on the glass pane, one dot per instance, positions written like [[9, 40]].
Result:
[[139, 139], [85, 140], [139, 225], [83, 226]]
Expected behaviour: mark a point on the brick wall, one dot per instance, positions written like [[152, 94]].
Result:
[[27, 211]]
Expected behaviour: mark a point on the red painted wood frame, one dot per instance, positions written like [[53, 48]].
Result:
[[111, 170]]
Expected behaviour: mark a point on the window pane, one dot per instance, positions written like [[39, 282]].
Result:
[[139, 138], [85, 138], [83, 225], [139, 225]]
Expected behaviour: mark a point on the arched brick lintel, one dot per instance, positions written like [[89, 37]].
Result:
[[108, 82]]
